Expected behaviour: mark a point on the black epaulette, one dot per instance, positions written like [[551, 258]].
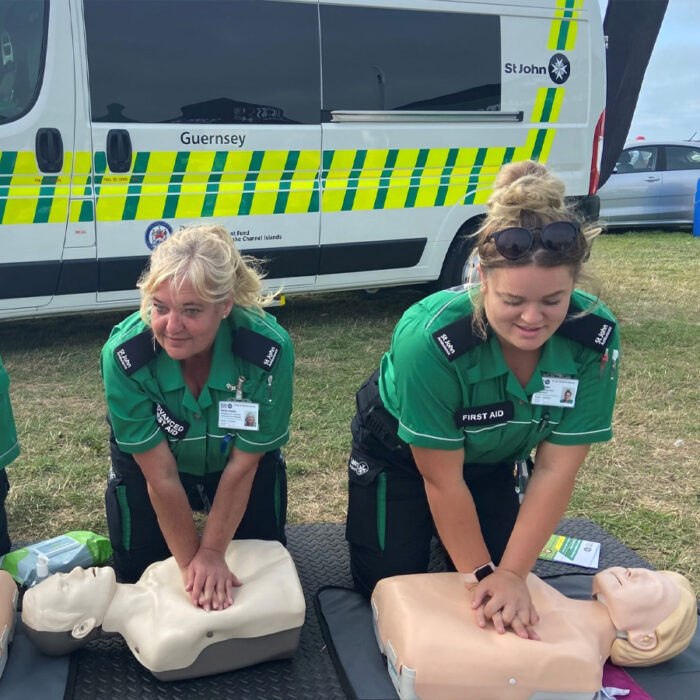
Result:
[[136, 352], [591, 331], [457, 338], [256, 348]]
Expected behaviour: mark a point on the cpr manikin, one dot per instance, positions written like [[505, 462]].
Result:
[[435, 651], [8, 604], [165, 632]]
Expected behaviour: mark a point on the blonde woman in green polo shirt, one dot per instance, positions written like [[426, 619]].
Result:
[[199, 392], [9, 449], [474, 382]]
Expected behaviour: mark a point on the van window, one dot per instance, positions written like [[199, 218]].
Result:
[[22, 47], [386, 59], [203, 61]]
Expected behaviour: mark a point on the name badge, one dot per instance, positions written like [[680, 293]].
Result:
[[558, 391], [241, 415], [490, 414]]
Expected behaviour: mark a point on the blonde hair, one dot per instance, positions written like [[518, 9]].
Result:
[[206, 258], [526, 194], [673, 635]]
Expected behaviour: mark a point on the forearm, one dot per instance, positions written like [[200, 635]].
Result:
[[230, 501], [174, 514], [457, 523], [546, 499]]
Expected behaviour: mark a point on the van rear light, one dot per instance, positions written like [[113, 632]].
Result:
[[597, 154]]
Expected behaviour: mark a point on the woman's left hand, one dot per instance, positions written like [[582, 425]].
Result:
[[209, 581], [503, 598]]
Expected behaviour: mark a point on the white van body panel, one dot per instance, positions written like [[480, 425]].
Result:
[[371, 192]]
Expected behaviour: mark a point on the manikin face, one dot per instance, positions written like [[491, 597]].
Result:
[[183, 323], [526, 304], [638, 600], [67, 602]]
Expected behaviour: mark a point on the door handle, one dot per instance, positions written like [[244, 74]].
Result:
[[49, 150], [119, 150]]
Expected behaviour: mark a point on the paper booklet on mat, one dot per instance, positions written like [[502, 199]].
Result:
[[570, 550]]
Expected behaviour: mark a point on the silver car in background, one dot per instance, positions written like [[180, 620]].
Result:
[[653, 184]]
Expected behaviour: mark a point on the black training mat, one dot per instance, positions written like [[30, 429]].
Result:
[[106, 668]]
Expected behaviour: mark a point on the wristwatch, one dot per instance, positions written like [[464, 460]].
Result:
[[480, 573]]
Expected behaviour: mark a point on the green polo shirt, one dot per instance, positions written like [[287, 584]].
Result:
[[200, 445], [9, 447], [426, 391]]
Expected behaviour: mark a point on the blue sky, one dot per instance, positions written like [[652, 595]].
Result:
[[669, 101]]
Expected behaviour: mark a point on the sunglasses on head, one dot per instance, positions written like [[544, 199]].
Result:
[[517, 241]]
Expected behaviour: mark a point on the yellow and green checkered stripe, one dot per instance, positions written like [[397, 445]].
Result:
[[196, 184], [28, 196], [562, 34]]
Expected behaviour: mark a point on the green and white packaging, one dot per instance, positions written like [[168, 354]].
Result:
[[65, 552]]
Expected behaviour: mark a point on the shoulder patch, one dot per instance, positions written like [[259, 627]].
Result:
[[591, 331], [256, 348], [136, 352], [457, 338]]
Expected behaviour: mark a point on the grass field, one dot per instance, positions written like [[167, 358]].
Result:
[[643, 486]]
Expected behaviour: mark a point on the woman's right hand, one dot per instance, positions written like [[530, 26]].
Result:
[[208, 580], [503, 598]]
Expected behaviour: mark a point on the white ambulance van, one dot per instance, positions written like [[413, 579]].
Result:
[[349, 143]]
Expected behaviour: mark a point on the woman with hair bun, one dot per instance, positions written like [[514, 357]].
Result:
[[472, 384], [199, 391]]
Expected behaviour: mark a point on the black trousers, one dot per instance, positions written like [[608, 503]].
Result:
[[4, 536], [134, 533], [389, 524]]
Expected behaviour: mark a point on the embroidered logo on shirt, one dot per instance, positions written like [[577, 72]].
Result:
[[169, 423], [490, 414], [136, 352], [457, 338], [591, 330], [256, 348]]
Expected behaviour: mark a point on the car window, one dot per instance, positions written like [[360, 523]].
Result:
[[682, 158], [637, 160]]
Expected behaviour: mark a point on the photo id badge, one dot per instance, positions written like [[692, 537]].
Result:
[[241, 415], [558, 391]]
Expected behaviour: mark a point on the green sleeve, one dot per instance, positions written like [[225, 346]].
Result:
[[9, 447], [130, 407], [428, 392]]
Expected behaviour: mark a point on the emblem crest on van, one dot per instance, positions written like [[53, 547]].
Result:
[[157, 232], [559, 68]]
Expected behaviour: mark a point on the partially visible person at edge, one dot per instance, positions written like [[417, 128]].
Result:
[[9, 449], [471, 385], [180, 377]]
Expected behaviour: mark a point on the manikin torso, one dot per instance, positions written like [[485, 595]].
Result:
[[164, 630], [567, 662]]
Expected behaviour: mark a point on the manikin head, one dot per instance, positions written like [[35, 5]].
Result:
[[655, 613], [74, 603]]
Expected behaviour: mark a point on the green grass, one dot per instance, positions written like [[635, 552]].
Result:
[[643, 486]]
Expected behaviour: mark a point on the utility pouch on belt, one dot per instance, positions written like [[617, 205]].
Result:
[[375, 417]]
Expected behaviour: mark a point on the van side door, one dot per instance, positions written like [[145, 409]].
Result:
[[37, 112], [205, 113]]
